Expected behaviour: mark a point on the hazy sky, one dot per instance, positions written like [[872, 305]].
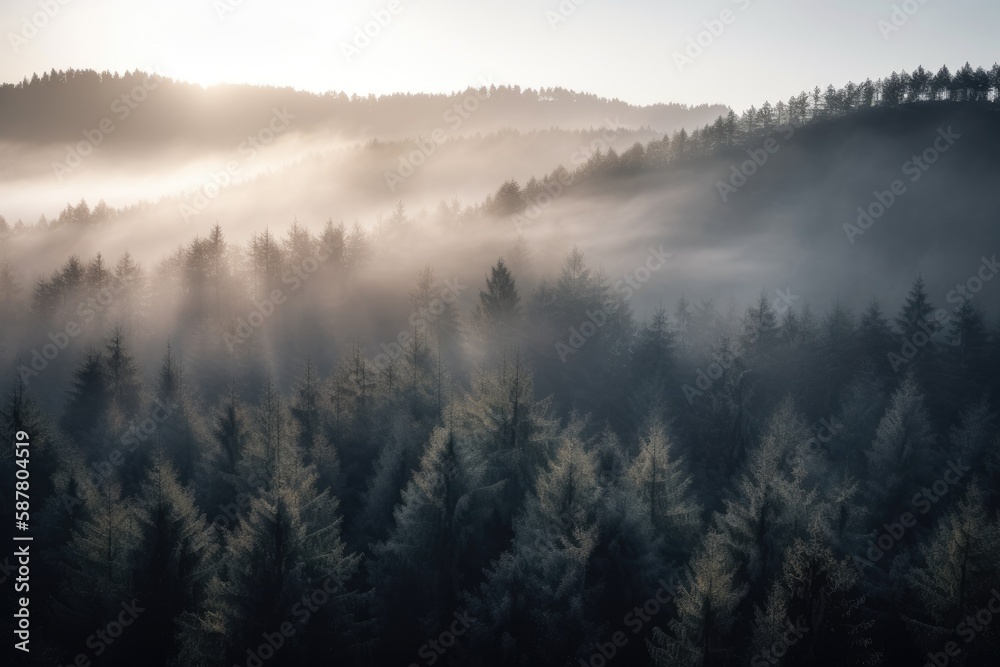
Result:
[[615, 48]]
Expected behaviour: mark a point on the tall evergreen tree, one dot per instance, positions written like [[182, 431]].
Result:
[[538, 600], [498, 315], [901, 452], [512, 433], [771, 504], [436, 522], [286, 548], [176, 558], [658, 478], [958, 571], [706, 605]]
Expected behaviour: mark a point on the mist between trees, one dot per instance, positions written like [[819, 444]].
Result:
[[475, 473]]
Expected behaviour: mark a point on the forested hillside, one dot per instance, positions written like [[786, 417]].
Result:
[[68, 101], [340, 444]]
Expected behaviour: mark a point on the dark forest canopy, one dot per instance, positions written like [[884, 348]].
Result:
[[540, 467]]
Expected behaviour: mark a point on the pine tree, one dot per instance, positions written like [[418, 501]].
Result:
[[357, 427], [175, 554], [966, 372], [286, 548], [124, 386], [20, 413], [97, 277], [652, 361], [269, 458], [877, 340], [298, 245], [538, 601], [419, 365], [941, 83], [972, 438], [333, 242], [397, 461], [512, 433], [180, 431], [900, 453], [130, 300], [436, 315], [838, 349], [706, 605], [218, 481], [918, 327], [266, 263], [357, 247], [310, 414], [579, 367], [437, 521], [664, 488], [89, 398], [959, 561], [10, 289], [861, 410], [498, 316], [771, 504], [97, 564], [760, 328], [814, 613]]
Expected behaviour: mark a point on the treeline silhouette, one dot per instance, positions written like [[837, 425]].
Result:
[[694, 483], [596, 159], [57, 106], [732, 130]]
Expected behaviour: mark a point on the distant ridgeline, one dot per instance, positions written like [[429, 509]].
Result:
[[218, 115], [545, 106]]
